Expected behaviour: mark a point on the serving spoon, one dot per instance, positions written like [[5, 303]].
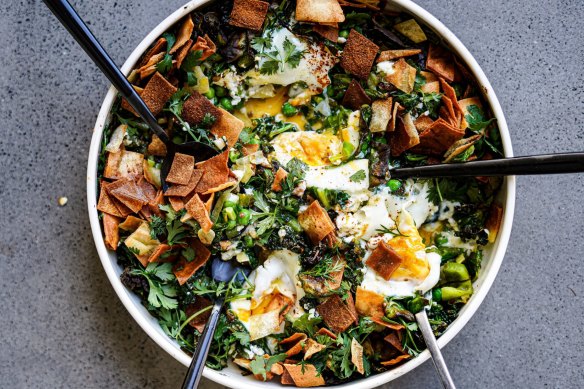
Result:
[[77, 28], [560, 163]]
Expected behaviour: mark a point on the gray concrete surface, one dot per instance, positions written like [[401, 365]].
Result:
[[61, 324]]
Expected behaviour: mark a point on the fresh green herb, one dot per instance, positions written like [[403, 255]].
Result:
[[162, 293], [477, 122], [275, 60], [358, 176], [307, 324], [261, 365]]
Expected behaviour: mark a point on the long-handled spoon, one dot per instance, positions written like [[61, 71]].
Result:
[[77, 28], [531, 165]]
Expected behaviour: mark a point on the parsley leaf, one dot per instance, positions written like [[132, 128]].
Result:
[[161, 294], [170, 39], [177, 232], [307, 324], [261, 365], [358, 177], [165, 65], [292, 55], [476, 119]]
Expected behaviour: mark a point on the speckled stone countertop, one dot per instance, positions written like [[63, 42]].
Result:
[[61, 323]]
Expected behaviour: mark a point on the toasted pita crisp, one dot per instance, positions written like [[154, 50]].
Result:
[[294, 343], [156, 147], [128, 193], [184, 190], [358, 55], [220, 187], [105, 204], [209, 202], [336, 314], [411, 30], [403, 77], [280, 175], [184, 34], [431, 87], [184, 269], [327, 32], [316, 222], [319, 11], [428, 76], [404, 137], [351, 305], [370, 4], [384, 260], [397, 360], [156, 255], [322, 287], [380, 115], [177, 203], [357, 355], [451, 93], [111, 231], [141, 243], [312, 347], [206, 45], [460, 147], [158, 47], [389, 55], [249, 148], [438, 138], [423, 122], [196, 208], [464, 104], [493, 223], [355, 96], [386, 324], [441, 62], [181, 169], [369, 303], [157, 92], [227, 126], [182, 53], [393, 339], [324, 331], [397, 108], [447, 111], [249, 14], [196, 107], [149, 69], [123, 164], [125, 105], [199, 321], [304, 376], [132, 223]]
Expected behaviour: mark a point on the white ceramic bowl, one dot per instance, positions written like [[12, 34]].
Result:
[[231, 376]]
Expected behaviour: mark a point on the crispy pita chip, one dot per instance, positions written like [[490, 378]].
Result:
[[125, 105], [405, 136], [351, 305], [370, 4], [380, 115], [447, 111], [441, 62], [286, 378], [196, 107], [319, 11], [336, 314], [177, 203], [493, 223], [464, 104], [327, 32], [105, 203], [411, 30], [304, 376], [431, 87], [181, 170], [157, 92], [220, 187], [355, 96], [158, 252], [184, 34], [199, 321], [312, 347], [316, 222], [294, 343], [111, 231], [460, 147], [386, 324], [451, 93], [397, 108], [428, 76], [384, 260], [369, 303], [403, 77], [227, 126], [123, 164], [357, 356], [209, 202], [148, 70], [322, 287], [249, 148], [423, 122], [397, 360], [390, 55], [249, 14], [181, 54], [358, 55], [128, 193], [393, 339], [140, 242], [157, 147], [325, 331], [206, 45], [196, 208], [132, 223], [184, 269], [280, 176], [438, 138], [215, 172], [185, 190], [158, 47]]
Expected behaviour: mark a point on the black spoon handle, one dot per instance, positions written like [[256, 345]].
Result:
[[200, 356], [536, 164], [77, 28]]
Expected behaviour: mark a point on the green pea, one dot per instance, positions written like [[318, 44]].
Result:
[[248, 241], [243, 217], [220, 91], [437, 294], [226, 104], [344, 34], [210, 94], [394, 185], [289, 110]]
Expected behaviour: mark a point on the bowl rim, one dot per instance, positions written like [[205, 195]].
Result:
[[144, 319]]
